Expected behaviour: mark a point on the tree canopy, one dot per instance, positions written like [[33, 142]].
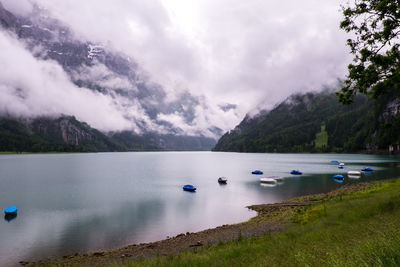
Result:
[[375, 29]]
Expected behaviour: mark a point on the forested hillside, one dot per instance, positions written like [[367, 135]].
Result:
[[67, 134], [317, 122]]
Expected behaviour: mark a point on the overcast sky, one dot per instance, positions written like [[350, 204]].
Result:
[[249, 53]]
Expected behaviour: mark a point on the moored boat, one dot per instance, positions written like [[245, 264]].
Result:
[[268, 180], [257, 172], [276, 178], [367, 169], [296, 172], [10, 210], [354, 173], [338, 176], [189, 188], [222, 180]]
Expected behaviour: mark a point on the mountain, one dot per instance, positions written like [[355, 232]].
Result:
[[64, 134], [67, 134], [100, 68], [317, 122]]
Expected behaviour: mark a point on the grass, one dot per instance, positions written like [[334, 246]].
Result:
[[321, 139], [352, 229]]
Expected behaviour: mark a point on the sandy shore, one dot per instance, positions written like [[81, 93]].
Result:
[[270, 218]]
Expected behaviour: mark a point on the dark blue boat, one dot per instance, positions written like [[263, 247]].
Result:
[[257, 172], [296, 172], [10, 210], [189, 187], [338, 176], [340, 166], [366, 169]]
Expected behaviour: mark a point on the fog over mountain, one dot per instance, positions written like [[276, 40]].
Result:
[[169, 66]]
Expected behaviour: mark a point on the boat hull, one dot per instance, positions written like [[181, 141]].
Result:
[[268, 181], [11, 210], [189, 188], [222, 180]]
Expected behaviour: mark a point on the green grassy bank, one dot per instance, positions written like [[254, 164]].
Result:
[[360, 228]]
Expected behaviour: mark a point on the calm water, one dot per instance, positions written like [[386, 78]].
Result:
[[83, 202]]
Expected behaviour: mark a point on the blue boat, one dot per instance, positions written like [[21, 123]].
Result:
[[296, 172], [257, 172], [340, 166], [11, 210], [334, 161], [366, 169], [189, 187], [338, 176]]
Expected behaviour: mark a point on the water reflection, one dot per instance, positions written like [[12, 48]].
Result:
[[100, 230], [10, 217], [268, 185]]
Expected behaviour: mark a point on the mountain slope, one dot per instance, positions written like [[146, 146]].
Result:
[[297, 124], [148, 111], [66, 134]]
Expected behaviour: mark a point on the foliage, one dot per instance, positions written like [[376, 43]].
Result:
[[293, 126], [321, 139], [375, 25], [44, 135], [67, 134]]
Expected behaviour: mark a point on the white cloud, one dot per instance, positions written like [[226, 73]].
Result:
[[30, 87], [250, 53]]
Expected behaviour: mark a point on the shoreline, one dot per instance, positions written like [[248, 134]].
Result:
[[270, 218]]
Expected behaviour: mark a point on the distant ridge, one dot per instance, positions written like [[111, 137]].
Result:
[[67, 134], [317, 122]]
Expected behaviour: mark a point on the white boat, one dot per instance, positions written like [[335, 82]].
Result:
[[354, 173], [341, 164], [277, 178], [268, 180]]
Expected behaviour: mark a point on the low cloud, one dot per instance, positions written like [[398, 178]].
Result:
[[30, 87], [251, 54]]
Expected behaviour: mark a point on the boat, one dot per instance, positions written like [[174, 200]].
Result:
[[354, 173], [257, 172], [296, 172], [338, 176], [276, 178], [11, 210], [334, 161], [366, 169], [222, 180], [189, 187], [341, 164], [268, 180]]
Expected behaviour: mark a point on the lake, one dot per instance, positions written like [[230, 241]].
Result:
[[72, 203]]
